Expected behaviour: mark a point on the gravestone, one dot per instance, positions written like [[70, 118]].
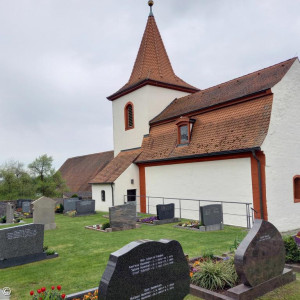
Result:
[[21, 244], [70, 204], [9, 213], [85, 207], [259, 262], [20, 202], [211, 214], [261, 255], [165, 211], [146, 270], [44, 212], [26, 206], [122, 217], [2, 209]]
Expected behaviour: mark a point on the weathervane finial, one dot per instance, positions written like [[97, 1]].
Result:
[[150, 3]]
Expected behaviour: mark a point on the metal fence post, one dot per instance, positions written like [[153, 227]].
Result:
[[179, 208], [163, 200], [148, 204], [199, 212]]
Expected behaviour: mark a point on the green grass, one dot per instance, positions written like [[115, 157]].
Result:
[[83, 254]]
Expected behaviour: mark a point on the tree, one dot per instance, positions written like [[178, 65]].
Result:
[[42, 166], [48, 182]]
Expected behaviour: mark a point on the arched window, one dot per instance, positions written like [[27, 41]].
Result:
[[129, 116], [103, 195]]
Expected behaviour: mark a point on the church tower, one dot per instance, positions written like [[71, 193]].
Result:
[[151, 87]]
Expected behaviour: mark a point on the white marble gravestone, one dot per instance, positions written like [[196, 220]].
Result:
[[44, 212]]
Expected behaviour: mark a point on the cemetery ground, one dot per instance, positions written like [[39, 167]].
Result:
[[83, 255]]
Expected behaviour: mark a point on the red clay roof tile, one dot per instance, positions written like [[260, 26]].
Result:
[[240, 87], [78, 171], [239, 126], [152, 63], [117, 166]]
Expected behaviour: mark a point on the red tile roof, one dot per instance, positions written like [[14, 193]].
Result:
[[239, 126], [152, 65], [240, 87], [117, 166], [78, 171]]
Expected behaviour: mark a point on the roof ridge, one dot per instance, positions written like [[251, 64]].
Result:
[[90, 154], [225, 82]]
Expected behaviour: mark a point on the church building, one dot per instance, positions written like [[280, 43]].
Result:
[[237, 142]]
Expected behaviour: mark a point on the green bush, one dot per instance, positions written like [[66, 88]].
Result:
[[50, 252], [59, 208], [3, 219], [292, 252], [105, 225], [216, 276], [74, 196], [208, 254]]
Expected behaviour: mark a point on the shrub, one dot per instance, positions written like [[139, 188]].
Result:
[[105, 225], [50, 252], [45, 248], [59, 208], [208, 254], [72, 213], [292, 252], [3, 219], [74, 196], [215, 276]]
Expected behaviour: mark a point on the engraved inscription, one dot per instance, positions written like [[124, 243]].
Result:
[[151, 263], [264, 238], [154, 291], [22, 233]]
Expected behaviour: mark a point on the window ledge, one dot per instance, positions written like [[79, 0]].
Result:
[[186, 144]]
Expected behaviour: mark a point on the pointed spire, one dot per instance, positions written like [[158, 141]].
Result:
[[152, 64], [151, 3]]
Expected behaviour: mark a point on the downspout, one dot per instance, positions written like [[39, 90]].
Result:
[[112, 193], [260, 185]]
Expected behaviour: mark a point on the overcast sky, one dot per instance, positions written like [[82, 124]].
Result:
[[60, 59]]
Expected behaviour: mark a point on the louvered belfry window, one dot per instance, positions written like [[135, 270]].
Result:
[[129, 116]]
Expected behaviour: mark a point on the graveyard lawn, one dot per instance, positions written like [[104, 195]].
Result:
[[83, 254]]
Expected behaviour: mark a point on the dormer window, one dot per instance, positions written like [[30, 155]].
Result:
[[129, 116], [184, 127]]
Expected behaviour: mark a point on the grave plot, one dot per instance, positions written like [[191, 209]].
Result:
[[121, 217], [43, 212], [259, 262], [165, 215], [75, 207], [22, 244], [211, 219]]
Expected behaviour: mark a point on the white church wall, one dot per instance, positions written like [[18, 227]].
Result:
[[96, 194], [221, 180], [120, 187], [282, 150], [123, 183], [148, 102]]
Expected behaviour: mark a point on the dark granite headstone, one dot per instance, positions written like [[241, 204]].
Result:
[[165, 211], [261, 255], [21, 240], [26, 206], [211, 214], [20, 202], [70, 204], [122, 217], [2, 209], [146, 270], [85, 207]]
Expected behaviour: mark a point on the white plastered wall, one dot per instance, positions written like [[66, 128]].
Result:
[[282, 151], [120, 186], [96, 195], [222, 180], [148, 102]]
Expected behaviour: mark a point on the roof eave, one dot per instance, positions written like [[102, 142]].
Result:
[[227, 152], [153, 83]]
